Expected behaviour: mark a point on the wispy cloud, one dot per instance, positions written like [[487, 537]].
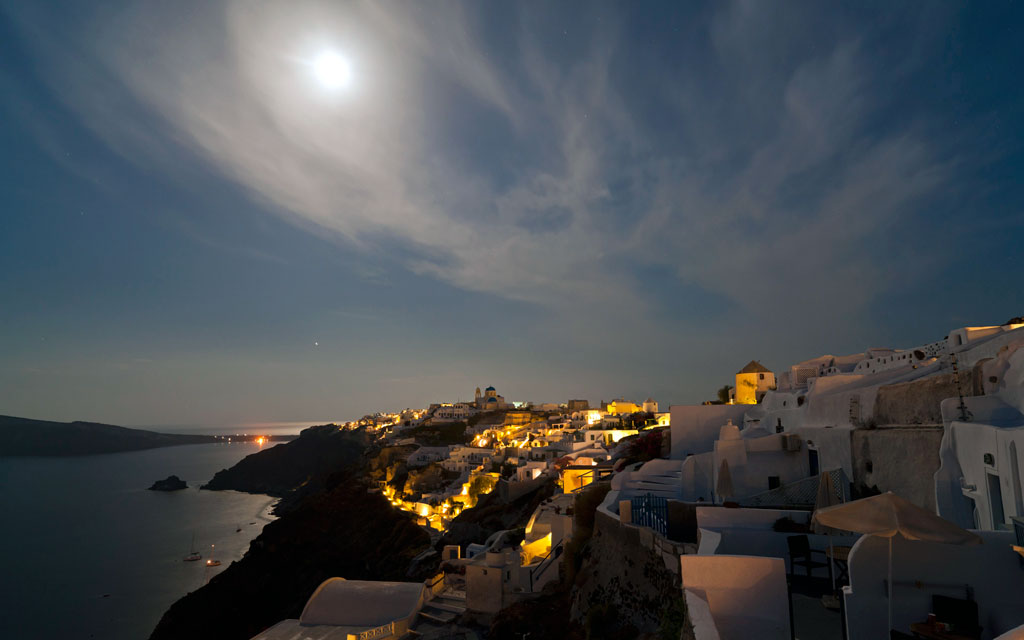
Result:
[[530, 168]]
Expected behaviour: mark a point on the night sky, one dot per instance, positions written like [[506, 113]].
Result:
[[560, 199]]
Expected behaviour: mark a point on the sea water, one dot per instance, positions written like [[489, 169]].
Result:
[[89, 552]]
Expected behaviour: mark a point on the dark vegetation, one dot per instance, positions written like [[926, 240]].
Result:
[[643, 447], [26, 437], [785, 524], [439, 435]]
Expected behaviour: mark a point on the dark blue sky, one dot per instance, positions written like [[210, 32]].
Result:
[[559, 199]]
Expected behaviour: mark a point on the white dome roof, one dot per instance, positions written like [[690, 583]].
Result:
[[361, 603]]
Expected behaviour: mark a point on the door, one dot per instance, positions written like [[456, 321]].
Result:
[[995, 498], [812, 460]]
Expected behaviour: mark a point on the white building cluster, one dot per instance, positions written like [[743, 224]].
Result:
[[730, 502]]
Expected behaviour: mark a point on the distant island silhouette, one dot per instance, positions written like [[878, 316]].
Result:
[[27, 437]]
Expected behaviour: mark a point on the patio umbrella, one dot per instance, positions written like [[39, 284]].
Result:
[[826, 498], [888, 514], [724, 485]]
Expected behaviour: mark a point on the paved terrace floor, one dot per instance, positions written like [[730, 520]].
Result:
[[811, 620]]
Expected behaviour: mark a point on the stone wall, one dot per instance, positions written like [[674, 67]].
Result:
[[917, 403], [902, 460], [630, 570]]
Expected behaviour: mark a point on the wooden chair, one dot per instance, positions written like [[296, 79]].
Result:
[[800, 554]]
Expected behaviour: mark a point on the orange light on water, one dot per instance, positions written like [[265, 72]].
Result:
[[260, 440]]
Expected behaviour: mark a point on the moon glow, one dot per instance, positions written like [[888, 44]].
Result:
[[332, 70]]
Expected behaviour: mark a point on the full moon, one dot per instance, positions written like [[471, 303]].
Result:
[[332, 70]]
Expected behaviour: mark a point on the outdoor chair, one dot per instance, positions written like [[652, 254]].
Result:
[[801, 554], [962, 614]]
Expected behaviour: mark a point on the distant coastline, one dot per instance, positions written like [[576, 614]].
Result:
[[28, 437]]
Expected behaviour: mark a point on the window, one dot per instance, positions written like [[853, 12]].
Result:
[[761, 376]]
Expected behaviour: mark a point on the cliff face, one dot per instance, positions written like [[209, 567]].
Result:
[[340, 531], [622, 588], [302, 464], [26, 437]]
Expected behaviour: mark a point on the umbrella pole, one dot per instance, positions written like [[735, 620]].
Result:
[[890, 582], [831, 561]]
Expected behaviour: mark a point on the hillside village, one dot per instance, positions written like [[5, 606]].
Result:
[[700, 521]]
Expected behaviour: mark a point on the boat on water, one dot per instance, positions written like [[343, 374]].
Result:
[[210, 562], [193, 555]]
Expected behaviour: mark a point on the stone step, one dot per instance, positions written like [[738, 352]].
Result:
[[454, 606], [437, 615]]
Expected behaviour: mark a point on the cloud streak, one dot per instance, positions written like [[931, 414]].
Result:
[[546, 170]]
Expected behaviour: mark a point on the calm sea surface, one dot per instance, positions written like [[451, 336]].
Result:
[[88, 552]]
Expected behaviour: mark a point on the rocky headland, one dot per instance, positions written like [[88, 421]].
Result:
[[294, 469]]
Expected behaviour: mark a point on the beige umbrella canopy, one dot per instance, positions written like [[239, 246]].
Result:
[[885, 516], [724, 485]]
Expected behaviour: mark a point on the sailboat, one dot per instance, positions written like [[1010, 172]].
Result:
[[193, 555], [210, 562]]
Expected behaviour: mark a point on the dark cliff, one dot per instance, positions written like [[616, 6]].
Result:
[[342, 530]]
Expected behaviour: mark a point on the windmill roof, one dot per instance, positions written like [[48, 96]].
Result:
[[754, 367]]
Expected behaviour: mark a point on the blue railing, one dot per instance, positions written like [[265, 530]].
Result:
[[650, 511]]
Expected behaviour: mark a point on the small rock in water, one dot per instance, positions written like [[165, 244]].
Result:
[[170, 483]]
